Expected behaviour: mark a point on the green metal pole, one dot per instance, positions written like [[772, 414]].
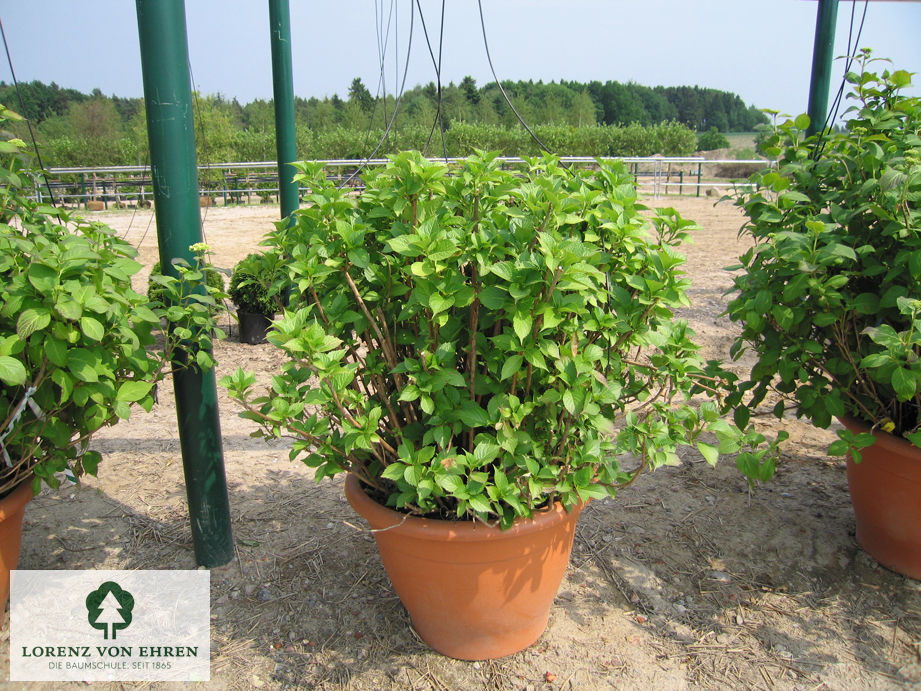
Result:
[[822, 56], [283, 87], [167, 94]]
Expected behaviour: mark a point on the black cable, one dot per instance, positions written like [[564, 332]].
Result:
[[22, 105], [196, 105], [396, 57], [851, 48], [396, 105], [135, 212], [832, 114], [383, 38], [507, 99], [146, 230], [437, 65], [440, 112]]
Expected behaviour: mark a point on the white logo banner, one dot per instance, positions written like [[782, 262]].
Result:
[[110, 626]]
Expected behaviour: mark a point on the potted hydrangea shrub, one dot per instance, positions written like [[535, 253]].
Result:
[[253, 288], [483, 351], [76, 341], [829, 299]]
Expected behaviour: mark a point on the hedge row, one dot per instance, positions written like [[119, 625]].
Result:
[[460, 139]]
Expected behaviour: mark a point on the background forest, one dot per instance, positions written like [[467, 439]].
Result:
[[571, 118]]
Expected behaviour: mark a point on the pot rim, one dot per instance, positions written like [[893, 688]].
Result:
[[13, 502], [385, 519], [884, 440]]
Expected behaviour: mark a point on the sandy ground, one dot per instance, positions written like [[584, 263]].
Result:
[[686, 580]]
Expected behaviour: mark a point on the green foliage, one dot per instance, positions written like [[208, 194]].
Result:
[[711, 139], [478, 342], [255, 283], [829, 297], [75, 338], [593, 119], [158, 290]]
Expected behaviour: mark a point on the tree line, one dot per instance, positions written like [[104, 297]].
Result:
[[574, 118]]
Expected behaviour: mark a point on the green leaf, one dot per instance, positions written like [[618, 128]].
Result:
[[839, 447], [394, 471], [68, 308], [904, 383], [901, 78], [885, 336], [32, 320], [56, 351], [440, 303], [867, 303], [12, 371], [802, 121], [90, 461], [485, 452], [453, 378], [472, 415], [409, 393], [480, 503], [710, 453], [402, 244], [522, 323], [42, 277], [493, 298], [92, 329], [512, 365], [65, 382], [133, 391], [360, 258], [82, 364], [450, 483], [876, 360], [741, 415], [569, 402]]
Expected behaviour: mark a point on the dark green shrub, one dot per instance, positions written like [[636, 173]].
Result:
[[480, 344], [829, 295], [255, 282], [711, 139]]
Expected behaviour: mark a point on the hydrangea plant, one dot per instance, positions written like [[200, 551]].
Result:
[[475, 342]]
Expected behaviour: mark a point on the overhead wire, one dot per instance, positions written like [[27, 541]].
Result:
[[134, 213], [22, 105], [383, 38], [196, 105], [832, 114], [849, 61], [396, 56], [437, 121], [501, 88], [440, 111], [396, 105]]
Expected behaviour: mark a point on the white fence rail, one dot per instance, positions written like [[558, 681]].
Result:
[[241, 183]]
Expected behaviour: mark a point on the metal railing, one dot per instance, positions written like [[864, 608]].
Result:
[[244, 183]]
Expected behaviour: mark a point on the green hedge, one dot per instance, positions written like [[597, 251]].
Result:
[[461, 139]]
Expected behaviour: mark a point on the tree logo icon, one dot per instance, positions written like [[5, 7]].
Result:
[[109, 608]]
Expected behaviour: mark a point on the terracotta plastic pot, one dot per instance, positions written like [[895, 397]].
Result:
[[473, 592], [253, 327], [886, 494], [12, 510]]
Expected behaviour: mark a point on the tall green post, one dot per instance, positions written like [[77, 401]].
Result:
[[170, 128], [283, 87], [822, 57]]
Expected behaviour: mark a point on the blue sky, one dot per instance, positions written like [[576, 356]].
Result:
[[760, 49]]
